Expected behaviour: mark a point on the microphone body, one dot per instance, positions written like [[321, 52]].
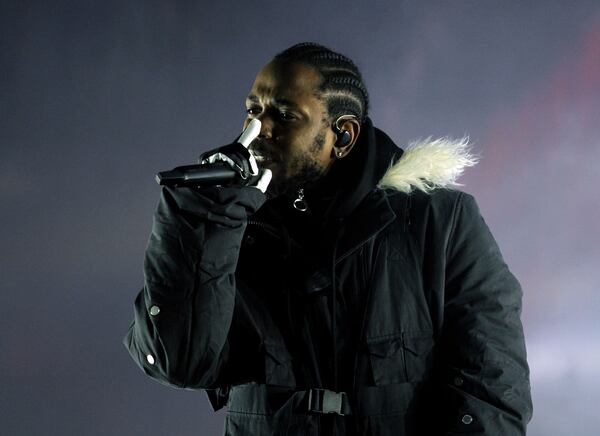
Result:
[[197, 175]]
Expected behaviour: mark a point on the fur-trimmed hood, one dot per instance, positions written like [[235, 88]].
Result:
[[429, 164], [376, 162]]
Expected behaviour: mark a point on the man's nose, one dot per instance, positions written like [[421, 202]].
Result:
[[266, 126]]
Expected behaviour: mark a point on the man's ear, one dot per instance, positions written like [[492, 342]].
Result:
[[347, 129]]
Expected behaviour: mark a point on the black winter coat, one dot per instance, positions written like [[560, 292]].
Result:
[[386, 310]]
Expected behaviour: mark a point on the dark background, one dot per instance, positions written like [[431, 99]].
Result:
[[97, 96]]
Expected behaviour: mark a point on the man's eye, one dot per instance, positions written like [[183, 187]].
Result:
[[285, 116]]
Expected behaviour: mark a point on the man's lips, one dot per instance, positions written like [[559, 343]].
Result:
[[263, 158]]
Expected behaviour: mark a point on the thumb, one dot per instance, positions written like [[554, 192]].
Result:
[[264, 180]]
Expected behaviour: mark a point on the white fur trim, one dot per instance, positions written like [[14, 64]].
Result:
[[429, 164]]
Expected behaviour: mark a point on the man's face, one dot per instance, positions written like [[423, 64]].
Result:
[[296, 140]]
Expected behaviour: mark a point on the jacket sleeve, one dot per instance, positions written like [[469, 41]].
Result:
[[184, 312], [486, 376]]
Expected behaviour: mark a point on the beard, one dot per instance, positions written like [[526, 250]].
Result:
[[301, 171]]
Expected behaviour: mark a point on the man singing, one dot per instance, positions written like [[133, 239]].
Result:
[[346, 289]]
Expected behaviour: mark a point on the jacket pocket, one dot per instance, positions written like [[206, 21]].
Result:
[[278, 365], [401, 358]]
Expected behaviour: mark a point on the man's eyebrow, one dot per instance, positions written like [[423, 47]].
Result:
[[280, 101], [286, 102]]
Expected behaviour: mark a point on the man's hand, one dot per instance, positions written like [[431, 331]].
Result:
[[249, 171], [239, 158]]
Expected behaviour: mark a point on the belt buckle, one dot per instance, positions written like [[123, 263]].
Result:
[[330, 401]]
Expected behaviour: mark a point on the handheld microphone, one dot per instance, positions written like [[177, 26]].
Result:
[[209, 175]]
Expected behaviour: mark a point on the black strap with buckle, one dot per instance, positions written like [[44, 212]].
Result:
[[326, 401]]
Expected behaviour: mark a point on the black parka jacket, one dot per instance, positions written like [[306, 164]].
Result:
[[391, 290]]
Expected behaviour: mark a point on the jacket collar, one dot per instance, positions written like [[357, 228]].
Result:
[[376, 164], [351, 179]]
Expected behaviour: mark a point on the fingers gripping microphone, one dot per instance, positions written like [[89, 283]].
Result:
[[216, 173]]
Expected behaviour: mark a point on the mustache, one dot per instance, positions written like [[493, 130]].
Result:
[[264, 150]]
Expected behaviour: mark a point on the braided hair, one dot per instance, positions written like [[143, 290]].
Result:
[[343, 89]]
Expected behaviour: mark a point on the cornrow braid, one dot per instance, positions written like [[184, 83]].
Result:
[[343, 89]]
